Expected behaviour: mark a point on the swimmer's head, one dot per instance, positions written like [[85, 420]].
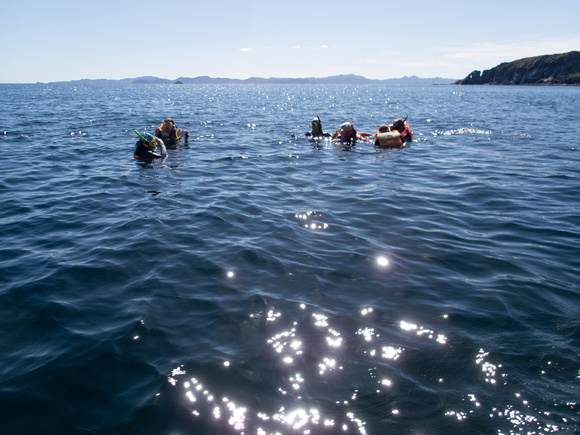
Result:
[[346, 131], [346, 127], [151, 140], [316, 125]]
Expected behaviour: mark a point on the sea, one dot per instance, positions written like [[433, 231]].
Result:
[[255, 282]]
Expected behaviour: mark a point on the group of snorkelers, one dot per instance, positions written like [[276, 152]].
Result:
[[387, 136], [168, 135]]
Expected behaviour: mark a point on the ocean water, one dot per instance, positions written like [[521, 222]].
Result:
[[259, 283]]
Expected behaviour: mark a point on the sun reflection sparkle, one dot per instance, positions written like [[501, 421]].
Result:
[[366, 311], [327, 364], [320, 320], [421, 331], [386, 382], [488, 368], [297, 380], [313, 225], [367, 333], [390, 352], [382, 261]]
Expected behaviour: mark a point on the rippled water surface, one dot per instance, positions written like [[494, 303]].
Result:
[[258, 283]]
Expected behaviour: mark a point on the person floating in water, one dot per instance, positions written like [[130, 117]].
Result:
[[403, 128], [145, 148], [317, 132], [170, 134], [346, 134], [387, 138]]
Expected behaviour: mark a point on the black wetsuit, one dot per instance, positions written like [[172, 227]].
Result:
[[322, 134], [144, 153]]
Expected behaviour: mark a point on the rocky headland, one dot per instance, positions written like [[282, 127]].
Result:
[[554, 69]]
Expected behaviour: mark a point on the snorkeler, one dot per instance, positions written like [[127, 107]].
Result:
[[403, 128], [346, 134], [145, 148], [170, 134], [387, 138], [316, 126]]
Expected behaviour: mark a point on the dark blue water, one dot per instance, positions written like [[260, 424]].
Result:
[[257, 283]]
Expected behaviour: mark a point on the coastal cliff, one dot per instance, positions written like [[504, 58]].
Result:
[[555, 69]]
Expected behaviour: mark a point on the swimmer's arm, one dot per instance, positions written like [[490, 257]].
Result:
[[162, 148]]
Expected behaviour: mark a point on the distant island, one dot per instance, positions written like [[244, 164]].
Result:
[[555, 69], [349, 79]]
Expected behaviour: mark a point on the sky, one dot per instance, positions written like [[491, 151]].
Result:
[[62, 40]]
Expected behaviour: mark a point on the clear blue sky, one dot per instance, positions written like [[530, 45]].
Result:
[[58, 40]]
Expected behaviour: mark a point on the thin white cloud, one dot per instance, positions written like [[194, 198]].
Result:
[[321, 47], [245, 49], [493, 53], [458, 60]]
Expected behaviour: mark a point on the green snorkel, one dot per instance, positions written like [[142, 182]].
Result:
[[150, 143], [141, 137]]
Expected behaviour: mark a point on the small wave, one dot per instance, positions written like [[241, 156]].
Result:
[[461, 131]]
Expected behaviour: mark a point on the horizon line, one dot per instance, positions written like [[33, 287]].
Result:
[[173, 81]]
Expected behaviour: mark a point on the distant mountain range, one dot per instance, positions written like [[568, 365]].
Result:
[[553, 69], [349, 79]]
